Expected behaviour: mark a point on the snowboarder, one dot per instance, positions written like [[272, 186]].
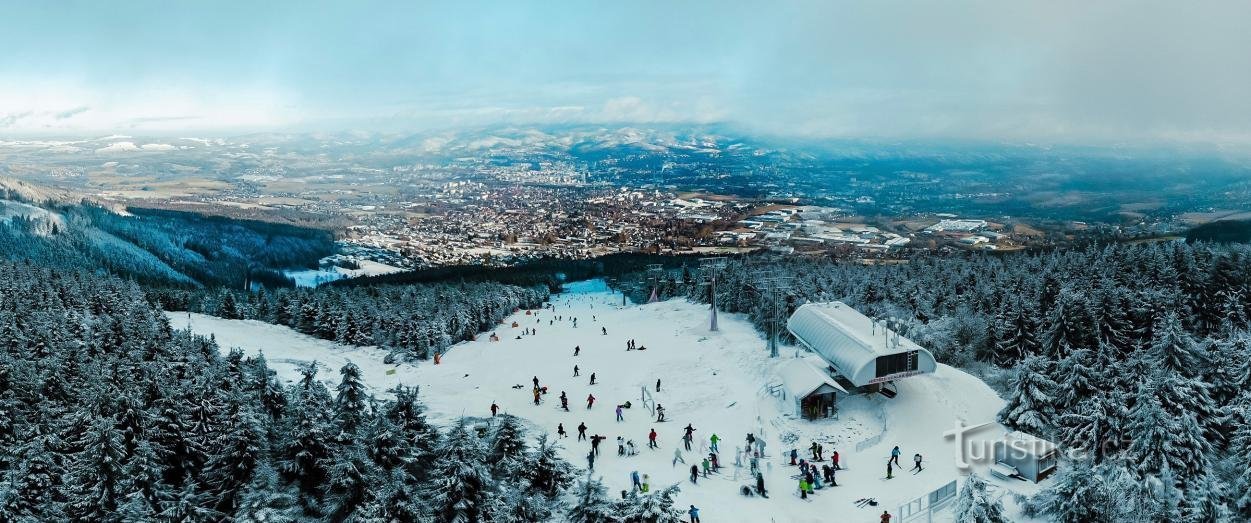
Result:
[[694, 474], [592, 378], [651, 439], [677, 456], [694, 512], [660, 413], [590, 400], [714, 439], [577, 349], [581, 431], [560, 430], [917, 459], [564, 401], [494, 408], [575, 371], [635, 482], [890, 471], [894, 456], [657, 384], [619, 418]]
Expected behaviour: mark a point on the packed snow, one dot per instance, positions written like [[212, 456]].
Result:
[[716, 381], [330, 272]]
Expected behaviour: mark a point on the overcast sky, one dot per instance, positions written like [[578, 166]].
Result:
[[1051, 71]]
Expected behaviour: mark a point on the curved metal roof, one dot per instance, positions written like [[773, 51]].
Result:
[[850, 341]]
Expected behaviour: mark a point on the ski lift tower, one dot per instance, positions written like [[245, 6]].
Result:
[[709, 268], [655, 272], [773, 291]]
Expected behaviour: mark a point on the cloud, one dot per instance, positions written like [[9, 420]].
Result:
[[70, 113]]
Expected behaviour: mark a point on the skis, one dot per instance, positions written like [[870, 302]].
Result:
[[866, 502]]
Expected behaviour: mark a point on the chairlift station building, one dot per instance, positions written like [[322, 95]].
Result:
[[861, 351]]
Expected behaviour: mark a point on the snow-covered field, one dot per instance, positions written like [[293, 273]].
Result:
[[315, 277], [713, 380]]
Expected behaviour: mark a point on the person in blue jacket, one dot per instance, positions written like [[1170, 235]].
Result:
[[694, 512]]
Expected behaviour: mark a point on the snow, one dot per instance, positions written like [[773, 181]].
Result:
[[716, 381], [330, 272]]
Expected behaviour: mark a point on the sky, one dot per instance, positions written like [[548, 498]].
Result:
[[1048, 71]]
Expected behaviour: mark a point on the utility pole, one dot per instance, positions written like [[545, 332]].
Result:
[[773, 291], [709, 268]]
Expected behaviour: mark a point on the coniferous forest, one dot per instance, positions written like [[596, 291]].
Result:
[[1134, 358], [109, 415]]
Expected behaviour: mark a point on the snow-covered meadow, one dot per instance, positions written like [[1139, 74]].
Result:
[[716, 381]]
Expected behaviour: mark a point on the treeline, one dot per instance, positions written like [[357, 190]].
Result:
[[1136, 358], [107, 415], [413, 321], [161, 247], [552, 272]]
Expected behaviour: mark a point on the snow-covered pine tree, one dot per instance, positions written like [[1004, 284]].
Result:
[[189, 504], [549, 474], [1094, 425], [1077, 377], [1017, 339], [1158, 438], [1203, 500], [144, 477], [237, 450], [351, 399], [1030, 406], [266, 500], [976, 504], [461, 491], [1172, 349], [591, 503], [351, 478], [1067, 326], [506, 455], [95, 483], [305, 454], [1077, 496]]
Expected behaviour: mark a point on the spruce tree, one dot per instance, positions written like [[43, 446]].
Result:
[[1077, 496], [96, 478], [1030, 407], [591, 504], [976, 504], [351, 399], [460, 490]]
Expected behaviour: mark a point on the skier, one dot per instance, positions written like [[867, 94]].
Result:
[[677, 456], [494, 408], [590, 460], [760, 488], [536, 382], [619, 418], [803, 488], [716, 463], [564, 401], [635, 482], [604, 330], [620, 446], [917, 459], [751, 438], [694, 474], [755, 464], [689, 434], [590, 400], [894, 456], [575, 371], [630, 450], [657, 384], [581, 431], [890, 471], [885, 517], [651, 439], [660, 413], [647, 483], [577, 349], [820, 452], [706, 466], [815, 455], [560, 430], [694, 512], [794, 456], [714, 440], [536, 395], [834, 458], [592, 378], [595, 443]]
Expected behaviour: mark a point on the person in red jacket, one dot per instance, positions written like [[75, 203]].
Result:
[[651, 439], [590, 400]]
